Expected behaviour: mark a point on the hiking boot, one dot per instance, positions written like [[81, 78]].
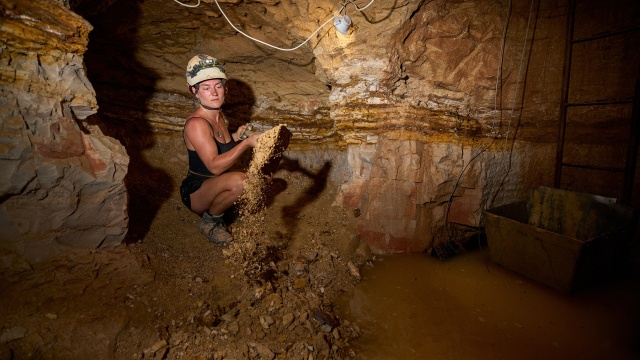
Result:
[[213, 228]]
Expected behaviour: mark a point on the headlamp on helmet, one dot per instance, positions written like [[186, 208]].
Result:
[[204, 67]]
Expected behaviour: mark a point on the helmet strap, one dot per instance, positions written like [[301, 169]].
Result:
[[208, 107]]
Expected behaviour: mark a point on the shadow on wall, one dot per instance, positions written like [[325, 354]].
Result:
[[239, 103], [238, 110], [123, 90], [320, 179]]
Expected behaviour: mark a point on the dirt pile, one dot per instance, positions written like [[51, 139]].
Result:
[[264, 162], [285, 311]]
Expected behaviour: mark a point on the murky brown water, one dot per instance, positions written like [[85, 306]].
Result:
[[418, 307]]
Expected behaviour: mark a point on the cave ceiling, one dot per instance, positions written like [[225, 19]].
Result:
[[431, 68], [138, 51]]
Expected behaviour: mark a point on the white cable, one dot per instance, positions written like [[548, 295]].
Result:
[[273, 46], [264, 43], [191, 6], [359, 9]]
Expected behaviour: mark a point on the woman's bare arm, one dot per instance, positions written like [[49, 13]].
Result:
[[199, 135]]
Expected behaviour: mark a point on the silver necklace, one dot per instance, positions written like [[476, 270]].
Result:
[[218, 130]]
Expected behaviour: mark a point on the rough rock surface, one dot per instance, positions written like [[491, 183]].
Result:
[[62, 180], [446, 107], [401, 105]]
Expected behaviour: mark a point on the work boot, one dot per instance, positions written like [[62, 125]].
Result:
[[213, 228]]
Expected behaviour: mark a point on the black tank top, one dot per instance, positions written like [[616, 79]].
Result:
[[195, 163]]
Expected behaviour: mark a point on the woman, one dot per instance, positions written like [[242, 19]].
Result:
[[209, 188]]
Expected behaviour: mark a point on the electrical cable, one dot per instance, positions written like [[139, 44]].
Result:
[[344, 5], [482, 148], [499, 75], [267, 44], [510, 157], [191, 6], [361, 9], [515, 94]]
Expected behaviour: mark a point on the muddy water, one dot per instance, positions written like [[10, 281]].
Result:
[[418, 307]]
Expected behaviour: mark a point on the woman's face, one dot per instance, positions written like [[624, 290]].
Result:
[[211, 93]]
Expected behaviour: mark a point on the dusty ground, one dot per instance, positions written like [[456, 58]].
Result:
[[169, 294]]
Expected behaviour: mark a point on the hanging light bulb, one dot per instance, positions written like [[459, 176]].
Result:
[[342, 24]]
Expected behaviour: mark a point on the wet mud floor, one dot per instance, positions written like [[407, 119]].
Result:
[[418, 307]]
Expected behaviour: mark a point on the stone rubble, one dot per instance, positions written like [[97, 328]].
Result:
[[275, 313]]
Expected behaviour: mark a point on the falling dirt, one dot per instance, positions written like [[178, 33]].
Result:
[[170, 294]]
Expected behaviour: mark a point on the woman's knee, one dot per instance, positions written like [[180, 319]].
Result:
[[238, 183]]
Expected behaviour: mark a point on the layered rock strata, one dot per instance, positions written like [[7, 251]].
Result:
[[61, 184], [413, 111], [428, 112]]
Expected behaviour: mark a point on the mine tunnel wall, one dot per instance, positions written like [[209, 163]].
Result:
[[427, 114]]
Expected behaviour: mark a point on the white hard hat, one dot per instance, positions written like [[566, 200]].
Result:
[[204, 67]]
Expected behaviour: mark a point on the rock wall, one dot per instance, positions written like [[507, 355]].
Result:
[[412, 196], [416, 110], [432, 129], [61, 184], [427, 113]]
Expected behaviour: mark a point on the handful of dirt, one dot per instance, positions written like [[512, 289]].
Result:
[[266, 157], [268, 153]]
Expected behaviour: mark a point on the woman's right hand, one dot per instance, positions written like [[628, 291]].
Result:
[[252, 140]]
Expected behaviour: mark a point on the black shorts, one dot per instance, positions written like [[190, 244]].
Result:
[[189, 185]]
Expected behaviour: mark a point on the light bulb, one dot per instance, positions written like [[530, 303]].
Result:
[[342, 24]]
